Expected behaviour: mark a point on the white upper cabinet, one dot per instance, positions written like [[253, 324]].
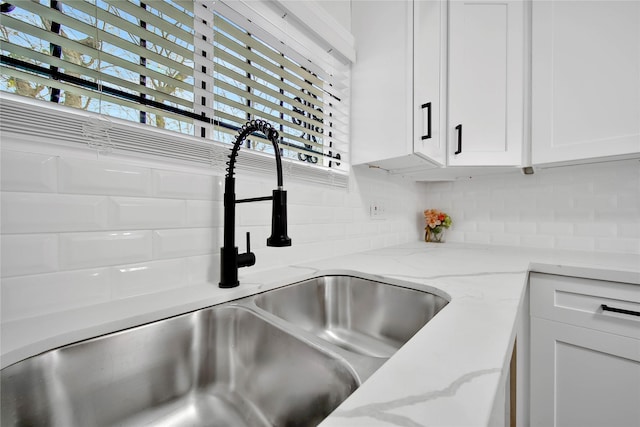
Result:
[[585, 80], [427, 68], [429, 80], [381, 84], [486, 83]]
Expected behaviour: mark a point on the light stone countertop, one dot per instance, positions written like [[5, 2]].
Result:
[[448, 374]]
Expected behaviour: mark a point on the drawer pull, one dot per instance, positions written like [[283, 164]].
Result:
[[620, 310]]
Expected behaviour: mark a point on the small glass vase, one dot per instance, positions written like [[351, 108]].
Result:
[[434, 236]]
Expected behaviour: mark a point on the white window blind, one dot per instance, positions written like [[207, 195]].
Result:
[[198, 69]]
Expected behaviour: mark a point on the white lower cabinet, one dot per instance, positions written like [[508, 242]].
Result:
[[585, 359]]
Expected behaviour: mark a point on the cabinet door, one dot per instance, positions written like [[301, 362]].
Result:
[[582, 377], [429, 72], [585, 80], [486, 56], [381, 81]]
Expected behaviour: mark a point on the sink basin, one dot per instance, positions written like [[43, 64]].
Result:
[[359, 315], [286, 357], [222, 366]]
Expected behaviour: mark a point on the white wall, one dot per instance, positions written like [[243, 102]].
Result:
[[78, 231], [340, 10], [587, 208]]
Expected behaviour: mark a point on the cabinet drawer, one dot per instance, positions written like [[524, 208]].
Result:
[[581, 302]]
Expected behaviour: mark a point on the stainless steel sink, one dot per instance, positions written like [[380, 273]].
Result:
[[362, 316], [221, 367], [287, 357]]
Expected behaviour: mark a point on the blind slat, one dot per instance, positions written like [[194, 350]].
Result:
[[300, 150], [91, 94], [222, 56], [79, 47], [178, 65], [289, 78], [95, 75], [282, 95], [275, 107], [254, 44], [148, 17], [68, 20], [261, 114]]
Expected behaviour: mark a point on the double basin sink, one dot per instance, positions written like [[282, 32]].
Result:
[[286, 357]]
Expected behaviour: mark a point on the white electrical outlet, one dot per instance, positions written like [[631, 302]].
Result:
[[376, 210]]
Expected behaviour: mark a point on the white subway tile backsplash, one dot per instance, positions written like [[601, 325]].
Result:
[[100, 177], [299, 194], [537, 241], [575, 243], [28, 296], [630, 230], [334, 231], [204, 213], [629, 201], [176, 185], [595, 229], [28, 172], [461, 204], [303, 234], [505, 239], [35, 213], [464, 226], [204, 269], [550, 201], [344, 215], [258, 213], [145, 213], [174, 220], [454, 236], [618, 245], [581, 207], [24, 254], [556, 228], [306, 214], [146, 229], [371, 228], [491, 227], [574, 215], [357, 229], [598, 202], [82, 250], [185, 242], [334, 198], [150, 277], [477, 237], [536, 215]]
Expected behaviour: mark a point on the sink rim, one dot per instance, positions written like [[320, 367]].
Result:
[[61, 335]]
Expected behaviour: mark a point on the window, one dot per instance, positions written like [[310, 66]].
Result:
[[193, 68]]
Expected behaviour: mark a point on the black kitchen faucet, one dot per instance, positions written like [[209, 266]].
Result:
[[230, 259]]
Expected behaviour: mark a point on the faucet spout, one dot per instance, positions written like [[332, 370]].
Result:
[[230, 259]]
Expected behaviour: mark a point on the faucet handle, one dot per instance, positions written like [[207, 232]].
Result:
[[249, 258]]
